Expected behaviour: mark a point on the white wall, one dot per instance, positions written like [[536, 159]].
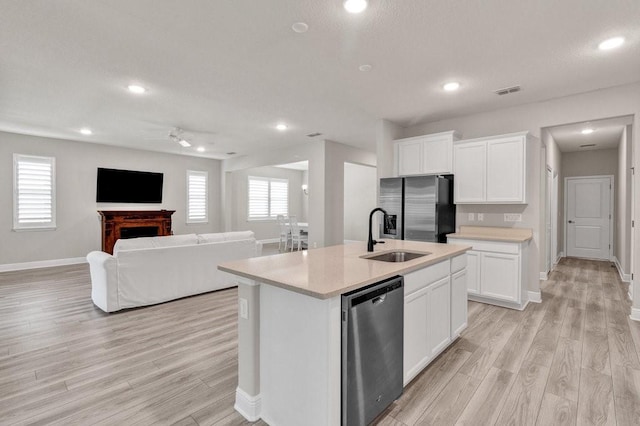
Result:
[[360, 187], [612, 102], [325, 179], [78, 225], [263, 229], [622, 247]]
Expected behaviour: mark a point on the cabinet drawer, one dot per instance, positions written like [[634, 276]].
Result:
[[458, 263], [421, 278], [493, 246]]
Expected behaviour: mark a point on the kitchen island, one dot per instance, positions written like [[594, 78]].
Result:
[[289, 322]]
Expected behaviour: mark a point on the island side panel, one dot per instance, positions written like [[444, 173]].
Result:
[[299, 358], [248, 391]]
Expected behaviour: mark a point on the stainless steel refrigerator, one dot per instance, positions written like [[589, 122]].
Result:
[[420, 208]]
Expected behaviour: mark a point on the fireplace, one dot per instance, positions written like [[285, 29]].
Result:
[[117, 224]]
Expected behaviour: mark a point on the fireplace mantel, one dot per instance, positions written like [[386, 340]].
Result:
[[114, 221]]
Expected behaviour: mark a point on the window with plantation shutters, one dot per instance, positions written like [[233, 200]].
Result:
[[197, 205], [268, 197], [34, 192]]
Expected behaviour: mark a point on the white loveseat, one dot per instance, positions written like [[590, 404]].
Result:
[[150, 270]]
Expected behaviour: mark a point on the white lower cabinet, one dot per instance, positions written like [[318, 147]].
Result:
[[430, 304], [497, 272]]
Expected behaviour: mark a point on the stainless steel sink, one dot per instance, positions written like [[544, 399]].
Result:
[[396, 256]]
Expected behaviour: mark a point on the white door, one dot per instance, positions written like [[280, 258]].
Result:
[[588, 217]]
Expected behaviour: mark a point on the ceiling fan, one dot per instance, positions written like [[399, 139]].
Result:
[[176, 135]]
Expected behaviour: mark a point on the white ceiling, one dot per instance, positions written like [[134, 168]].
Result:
[[606, 135], [299, 165], [234, 69]]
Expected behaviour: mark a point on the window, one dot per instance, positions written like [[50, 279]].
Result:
[[197, 205], [34, 192], [268, 197]]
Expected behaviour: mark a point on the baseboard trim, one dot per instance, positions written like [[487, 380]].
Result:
[[248, 406], [560, 256], [544, 276], [635, 314], [7, 267], [624, 277], [269, 240], [535, 296]]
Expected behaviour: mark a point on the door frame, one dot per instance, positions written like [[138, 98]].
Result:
[[611, 209]]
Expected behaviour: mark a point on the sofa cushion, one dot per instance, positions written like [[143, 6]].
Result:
[[218, 237], [154, 242]]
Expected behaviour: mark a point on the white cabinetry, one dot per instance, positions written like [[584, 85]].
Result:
[[425, 155], [496, 272], [458, 295], [491, 170], [435, 312]]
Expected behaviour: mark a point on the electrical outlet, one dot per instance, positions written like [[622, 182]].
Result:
[[244, 308], [480, 217], [512, 217], [472, 216]]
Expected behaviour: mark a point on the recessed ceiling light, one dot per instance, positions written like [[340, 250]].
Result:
[[138, 90], [300, 27], [355, 6], [587, 131], [611, 43], [281, 127], [365, 68], [450, 87], [184, 143], [200, 149], [86, 131]]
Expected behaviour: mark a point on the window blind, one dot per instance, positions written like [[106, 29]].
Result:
[[34, 192], [268, 197], [197, 206]]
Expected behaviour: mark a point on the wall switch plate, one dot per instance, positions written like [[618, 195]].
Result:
[[480, 217], [244, 308], [512, 217], [472, 216]]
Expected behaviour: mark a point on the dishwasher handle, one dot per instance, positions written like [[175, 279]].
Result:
[[378, 295]]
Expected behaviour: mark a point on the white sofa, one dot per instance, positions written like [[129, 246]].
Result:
[[150, 270]]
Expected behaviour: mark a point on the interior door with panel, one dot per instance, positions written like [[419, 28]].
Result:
[[588, 215]]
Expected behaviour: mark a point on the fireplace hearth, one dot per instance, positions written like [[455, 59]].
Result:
[[117, 224]]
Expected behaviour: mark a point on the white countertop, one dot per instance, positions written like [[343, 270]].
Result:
[[489, 233], [327, 272]]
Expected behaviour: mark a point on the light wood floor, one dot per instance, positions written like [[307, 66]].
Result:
[[571, 360]]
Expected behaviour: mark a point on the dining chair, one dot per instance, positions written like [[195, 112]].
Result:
[[297, 236], [285, 234]]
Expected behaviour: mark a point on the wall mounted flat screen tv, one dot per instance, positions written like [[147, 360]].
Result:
[[128, 186]]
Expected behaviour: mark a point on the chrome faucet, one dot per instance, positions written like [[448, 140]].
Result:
[[371, 241]]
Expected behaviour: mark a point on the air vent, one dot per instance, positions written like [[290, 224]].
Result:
[[313, 135], [587, 145], [508, 90]]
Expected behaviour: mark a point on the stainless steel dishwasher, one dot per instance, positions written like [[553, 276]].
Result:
[[372, 339]]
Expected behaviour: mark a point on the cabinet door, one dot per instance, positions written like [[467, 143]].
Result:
[[505, 170], [409, 158], [458, 303], [439, 316], [437, 155], [500, 276], [473, 272], [469, 167], [416, 349]]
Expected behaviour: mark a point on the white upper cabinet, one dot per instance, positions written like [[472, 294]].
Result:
[[491, 170], [426, 155]]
